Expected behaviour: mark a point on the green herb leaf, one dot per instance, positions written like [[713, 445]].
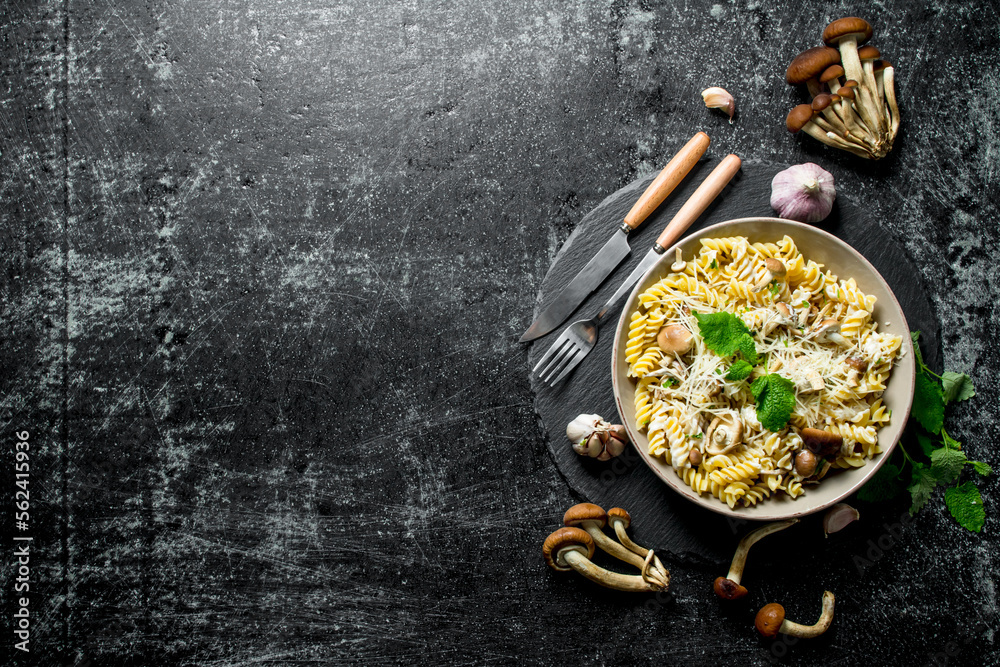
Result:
[[921, 486], [928, 403], [740, 370], [956, 387], [883, 486], [966, 505], [670, 381], [915, 337], [949, 441], [775, 398], [927, 445], [748, 350], [982, 468], [722, 332], [946, 464], [713, 265]]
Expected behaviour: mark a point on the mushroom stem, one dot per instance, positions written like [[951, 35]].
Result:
[[592, 519], [815, 630], [750, 539], [649, 558], [816, 132], [621, 582], [888, 80], [871, 88], [729, 587]]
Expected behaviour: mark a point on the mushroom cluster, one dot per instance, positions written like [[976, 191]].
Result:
[[572, 548], [853, 94]]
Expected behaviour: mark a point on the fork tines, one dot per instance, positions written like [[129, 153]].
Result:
[[557, 361]]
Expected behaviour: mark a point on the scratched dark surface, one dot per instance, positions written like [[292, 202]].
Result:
[[264, 267]]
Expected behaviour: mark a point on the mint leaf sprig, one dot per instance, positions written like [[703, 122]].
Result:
[[941, 460], [728, 336]]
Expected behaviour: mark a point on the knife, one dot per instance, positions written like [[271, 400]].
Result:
[[696, 204], [617, 248]]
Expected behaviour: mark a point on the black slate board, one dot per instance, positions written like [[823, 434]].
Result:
[[662, 519]]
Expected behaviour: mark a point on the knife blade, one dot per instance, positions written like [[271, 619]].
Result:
[[692, 209], [617, 247]]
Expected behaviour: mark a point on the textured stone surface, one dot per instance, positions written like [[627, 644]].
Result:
[[264, 267]]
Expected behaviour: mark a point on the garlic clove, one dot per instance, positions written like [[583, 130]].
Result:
[[719, 98], [804, 192], [838, 517]]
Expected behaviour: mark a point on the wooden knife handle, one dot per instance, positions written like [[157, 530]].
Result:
[[668, 179], [699, 201]]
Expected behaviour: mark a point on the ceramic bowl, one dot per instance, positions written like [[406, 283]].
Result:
[[845, 262]]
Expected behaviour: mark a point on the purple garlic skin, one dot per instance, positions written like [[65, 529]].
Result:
[[838, 517], [804, 192]]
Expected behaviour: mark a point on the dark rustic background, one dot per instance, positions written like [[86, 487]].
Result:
[[264, 267]]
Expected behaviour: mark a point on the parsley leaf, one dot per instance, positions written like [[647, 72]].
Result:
[[713, 265], [928, 403], [921, 487], [947, 464], [983, 469], [966, 505], [956, 387], [775, 398], [883, 486], [740, 370], [670, 381]]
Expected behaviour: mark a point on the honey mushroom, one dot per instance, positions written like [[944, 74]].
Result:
[[729, 587], [620, 520], [592, 518], [571, 548], [771, 621]]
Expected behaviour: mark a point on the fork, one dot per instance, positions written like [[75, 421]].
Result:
[[579, 338]]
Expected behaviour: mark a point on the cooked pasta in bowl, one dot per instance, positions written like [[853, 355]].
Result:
[[764, 368]]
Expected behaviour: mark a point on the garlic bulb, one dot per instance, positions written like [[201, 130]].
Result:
[[804, 192], [592, 436]]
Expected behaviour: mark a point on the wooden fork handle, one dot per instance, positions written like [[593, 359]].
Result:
[[668, 179], [699, 201]]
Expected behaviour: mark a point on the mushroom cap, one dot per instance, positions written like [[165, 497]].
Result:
[[850, 83], [783, 308], [846, 92], [859, 364], [844, 28], [675, 338], [881, 65], [620, 514], [727, 589], [798, 117], [827, 326], [869, 52], [563, 539], [769, 619], [583, 513], [810, 63], [822, 101], [830, 73], [775, 266], [834, 98], [805, 463], [733, 428], [819, 442]]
